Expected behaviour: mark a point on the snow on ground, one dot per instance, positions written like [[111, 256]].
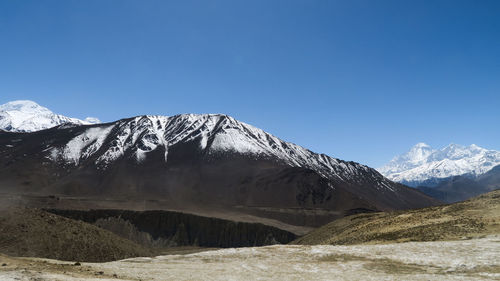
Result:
[[26, 275], [476, 259]]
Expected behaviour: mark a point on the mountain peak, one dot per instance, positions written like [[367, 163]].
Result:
[[195, 161], [422, 163], [142, 137], [23, 106], [419, 152], [454, 146], [421, 145], [29, 116]]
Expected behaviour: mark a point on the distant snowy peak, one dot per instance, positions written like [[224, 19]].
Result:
[[422, 163], [28, 116]]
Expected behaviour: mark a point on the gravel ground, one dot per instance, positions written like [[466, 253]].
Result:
[[475, 259]]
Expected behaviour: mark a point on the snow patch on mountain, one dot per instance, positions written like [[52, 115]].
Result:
[[422, 163], [28, 116], [82, 146]]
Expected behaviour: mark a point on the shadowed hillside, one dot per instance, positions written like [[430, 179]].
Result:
[[166, 229], [460, 188]]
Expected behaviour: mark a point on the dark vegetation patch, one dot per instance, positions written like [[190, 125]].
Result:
[[166, 228]]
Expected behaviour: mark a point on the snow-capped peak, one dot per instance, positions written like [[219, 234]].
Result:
[[214, 135], [422, 163], [28, 116], [419, 153], [415, 157], [25, 106]]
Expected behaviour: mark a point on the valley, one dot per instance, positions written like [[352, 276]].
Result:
[[388, 246], [197, 196], [249, 140]]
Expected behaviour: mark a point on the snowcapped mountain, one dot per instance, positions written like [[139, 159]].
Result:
[[423, 163], [28, 116], [213, 133], [192, 162]]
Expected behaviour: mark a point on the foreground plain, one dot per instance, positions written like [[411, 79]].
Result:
[[473, 259]]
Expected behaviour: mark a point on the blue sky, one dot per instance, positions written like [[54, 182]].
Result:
[[357, 80]]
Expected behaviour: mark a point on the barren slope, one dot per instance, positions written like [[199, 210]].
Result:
[[476, 217], [35, 233]]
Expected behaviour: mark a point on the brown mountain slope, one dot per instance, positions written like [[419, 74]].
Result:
[[476, 217], [35, 233], [199, 164]]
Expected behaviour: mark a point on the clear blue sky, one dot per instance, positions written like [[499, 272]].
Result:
[[358, 80]]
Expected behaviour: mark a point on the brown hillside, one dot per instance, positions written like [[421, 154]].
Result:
[[476, 217], [35, 233]]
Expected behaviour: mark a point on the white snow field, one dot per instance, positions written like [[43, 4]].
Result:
[[28, 116], [422, 162], [475, 259]]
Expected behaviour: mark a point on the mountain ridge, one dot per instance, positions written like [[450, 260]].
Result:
[[28, 116], [459, 188], [190, 162], [216, 134], [423, 164]]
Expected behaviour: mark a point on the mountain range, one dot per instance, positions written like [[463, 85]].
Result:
[[28, 116], [452, 173], [198, 163]]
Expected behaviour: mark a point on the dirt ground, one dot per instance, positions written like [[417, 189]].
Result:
[[473, 259]]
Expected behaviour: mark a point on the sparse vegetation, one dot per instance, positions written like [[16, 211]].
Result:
[[465, 220], [35, 233]]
